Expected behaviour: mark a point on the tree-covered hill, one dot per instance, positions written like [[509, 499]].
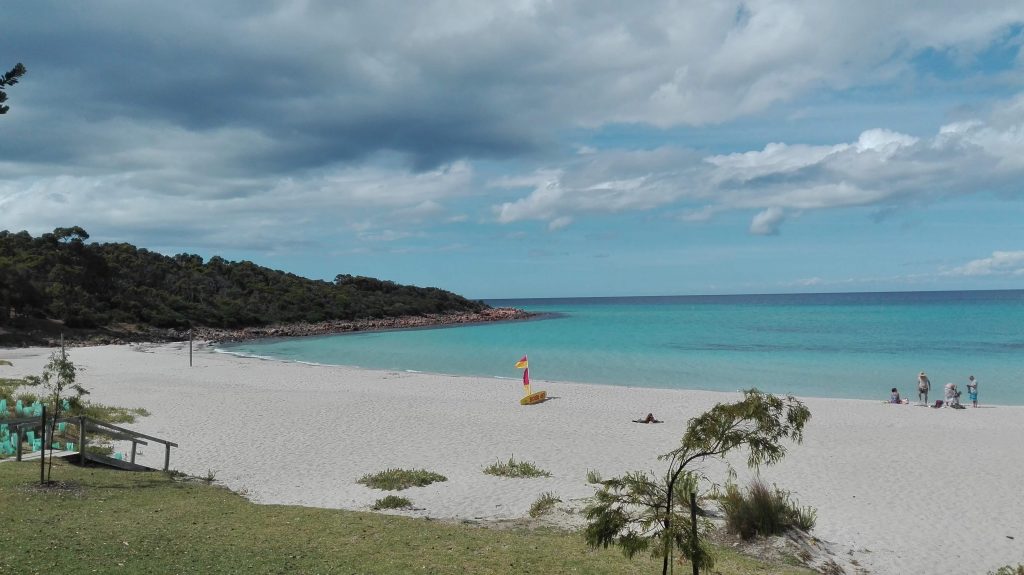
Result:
[[58, 276]]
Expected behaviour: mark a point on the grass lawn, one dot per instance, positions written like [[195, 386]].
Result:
[[132, 523]]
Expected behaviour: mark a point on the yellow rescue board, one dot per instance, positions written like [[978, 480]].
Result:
[[534, 398]]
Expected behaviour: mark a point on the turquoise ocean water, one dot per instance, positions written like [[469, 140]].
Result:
[[854, 345]]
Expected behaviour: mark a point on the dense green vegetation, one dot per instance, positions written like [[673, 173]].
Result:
[[87, 285], [103, 521]]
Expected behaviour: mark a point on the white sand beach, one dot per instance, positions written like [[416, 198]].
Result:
[[909, 490]]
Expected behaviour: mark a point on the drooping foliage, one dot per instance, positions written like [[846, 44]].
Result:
[[60, 276], [9, 78], [645, 512]]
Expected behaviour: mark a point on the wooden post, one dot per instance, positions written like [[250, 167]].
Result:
[[190, 347], [693, 528], [81, 440], [167, 456], [18, 458], [42, 453], [134, 445]]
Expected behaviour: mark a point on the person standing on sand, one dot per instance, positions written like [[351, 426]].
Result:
[[923, 386], [972, 390]]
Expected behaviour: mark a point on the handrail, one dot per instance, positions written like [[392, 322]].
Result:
[[96, 422], [123, 434]]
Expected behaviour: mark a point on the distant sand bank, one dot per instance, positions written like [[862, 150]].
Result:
[[911, 490]]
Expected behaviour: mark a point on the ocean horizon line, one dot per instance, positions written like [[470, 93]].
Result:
[[708, 297]]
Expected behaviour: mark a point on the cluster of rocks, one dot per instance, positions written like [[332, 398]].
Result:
[[123, 334], [370, 324]]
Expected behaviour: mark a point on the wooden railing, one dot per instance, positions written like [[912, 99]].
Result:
[[87, 424]]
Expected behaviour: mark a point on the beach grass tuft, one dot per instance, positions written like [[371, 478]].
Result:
[[399, 479], [544, 504], [513, 468], [594, 476], [1009, 570], [763, 510], [391, 502]]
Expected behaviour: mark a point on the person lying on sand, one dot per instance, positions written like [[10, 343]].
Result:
[[648, 419]]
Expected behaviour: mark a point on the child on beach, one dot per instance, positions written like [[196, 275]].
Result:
[[972, 390], [894, 397]]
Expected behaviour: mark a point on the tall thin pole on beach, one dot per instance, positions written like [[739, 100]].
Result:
[[190, 347], [42, 452]]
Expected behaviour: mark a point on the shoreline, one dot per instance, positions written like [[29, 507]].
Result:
[[906, 490], [335, 327], [122, 335]]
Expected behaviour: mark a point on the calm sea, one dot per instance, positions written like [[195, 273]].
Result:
[[853, 345]]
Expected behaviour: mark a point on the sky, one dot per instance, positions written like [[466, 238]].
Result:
[[529, 148]]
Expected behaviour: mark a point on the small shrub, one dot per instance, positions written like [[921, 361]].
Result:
[[106, 450], [1009, 570], [391, 502], [112, 414], [763, 510], [26, 398], [593, 476], [544, 504], [513, 468], [211, 476], [399, 479], [806, 517]]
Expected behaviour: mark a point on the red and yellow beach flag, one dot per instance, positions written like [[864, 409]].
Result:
[[529, 398], [524, 365]]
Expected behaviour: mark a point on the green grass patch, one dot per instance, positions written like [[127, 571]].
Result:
[[544, 504], [391, 502], [103, 521], [513, 468], [399, 479], [594, 476]]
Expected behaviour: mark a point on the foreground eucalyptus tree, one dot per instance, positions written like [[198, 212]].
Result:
[[58, 379], [643, 512]]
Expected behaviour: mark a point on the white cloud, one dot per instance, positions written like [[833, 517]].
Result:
[[999, 263], [882, 168], [236, 211], [559, 223], [767, 222]]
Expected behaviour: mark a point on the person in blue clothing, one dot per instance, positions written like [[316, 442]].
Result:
[[972, 390]]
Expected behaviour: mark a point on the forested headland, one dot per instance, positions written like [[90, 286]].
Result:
[[58, 283]]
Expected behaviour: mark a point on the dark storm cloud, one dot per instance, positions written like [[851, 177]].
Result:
[[320, 98]]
